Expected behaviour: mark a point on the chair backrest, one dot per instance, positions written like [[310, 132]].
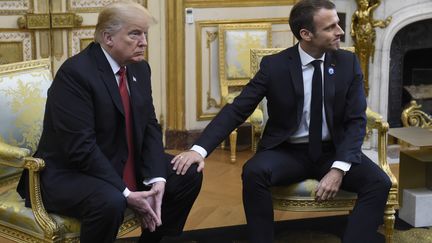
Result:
[[23, 92], [256, 55], [235, 42]]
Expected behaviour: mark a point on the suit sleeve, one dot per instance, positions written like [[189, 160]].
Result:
[[74, 124], [354, 123], [153, 155], [234, 114]]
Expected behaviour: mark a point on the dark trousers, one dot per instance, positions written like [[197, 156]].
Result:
[[287, 164], [102, 207]]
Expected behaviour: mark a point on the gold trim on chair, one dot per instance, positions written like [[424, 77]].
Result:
[[235, 42], [17, 222], [413, 116]]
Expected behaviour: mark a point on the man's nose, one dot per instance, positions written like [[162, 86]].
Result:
[[340, 30], [143, 40]]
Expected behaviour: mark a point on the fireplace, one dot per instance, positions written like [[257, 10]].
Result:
[[410, 74]]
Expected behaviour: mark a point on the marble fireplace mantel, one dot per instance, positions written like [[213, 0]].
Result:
[[403, 12]]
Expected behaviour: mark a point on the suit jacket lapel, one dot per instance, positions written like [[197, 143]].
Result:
[[107, 76], [330, 73], [297, 78], [135, 96]]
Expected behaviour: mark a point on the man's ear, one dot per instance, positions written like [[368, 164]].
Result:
[[306, 34], [107, 38]]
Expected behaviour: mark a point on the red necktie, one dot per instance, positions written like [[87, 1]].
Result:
[[315, 124], [129, 170]]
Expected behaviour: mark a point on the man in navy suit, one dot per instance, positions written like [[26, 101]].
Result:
[[102, 143], [316, 125]]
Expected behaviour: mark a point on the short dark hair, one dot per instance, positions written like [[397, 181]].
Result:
[[302, 13]]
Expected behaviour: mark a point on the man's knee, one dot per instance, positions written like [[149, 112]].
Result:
[[110, 203], [251, 172], [384, 183], [193, 176]]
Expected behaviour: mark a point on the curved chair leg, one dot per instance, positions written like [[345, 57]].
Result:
[[256, 135], [389, 221], [233, 145]]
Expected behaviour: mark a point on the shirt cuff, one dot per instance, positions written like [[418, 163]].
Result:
[[341, 165], [199, 150], [153, 180], [126, 192]]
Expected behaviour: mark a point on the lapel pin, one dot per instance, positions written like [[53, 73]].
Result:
[[133, 78], [331, 70]]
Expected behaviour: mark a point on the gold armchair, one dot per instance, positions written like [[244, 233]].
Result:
[[301, 196], [235, 42], [24, 86]]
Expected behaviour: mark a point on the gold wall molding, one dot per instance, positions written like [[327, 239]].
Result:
[[65, 20], [11, 52], [86, 6], [34, 21], [26, 38], [199, 25], [78, 38], [44, 43], [175, 66], [49, 21], [12, 7], [236, 3]]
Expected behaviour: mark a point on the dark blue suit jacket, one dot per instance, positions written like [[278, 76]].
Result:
[[280, 81], [84, 126]]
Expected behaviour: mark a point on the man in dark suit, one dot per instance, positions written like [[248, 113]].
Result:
[[316, 125], [102, 143]]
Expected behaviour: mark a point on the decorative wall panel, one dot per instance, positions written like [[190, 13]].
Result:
[[15, 6], [16, 46], [207, 56], [93, 5], [79, 39]]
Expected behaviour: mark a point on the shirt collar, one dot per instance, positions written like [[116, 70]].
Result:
[[306, 58], [114, 65]]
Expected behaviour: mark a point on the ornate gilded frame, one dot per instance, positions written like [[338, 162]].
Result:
[[257, 54], [90, 6], [210, 38], [13, 7], [235, 42]]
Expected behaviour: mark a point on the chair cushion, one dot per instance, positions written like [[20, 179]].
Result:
[[14, 212], [305, 190]]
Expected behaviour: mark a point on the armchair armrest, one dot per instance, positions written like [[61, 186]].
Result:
[[19, 158], [12, 156], [375, 121]]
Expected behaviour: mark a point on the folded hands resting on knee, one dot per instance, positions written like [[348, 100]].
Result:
[[147, 205]]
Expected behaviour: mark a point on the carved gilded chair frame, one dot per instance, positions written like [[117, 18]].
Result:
[[234, 61], [19, 99], [413, 116], [235, 42], [35, 224]]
